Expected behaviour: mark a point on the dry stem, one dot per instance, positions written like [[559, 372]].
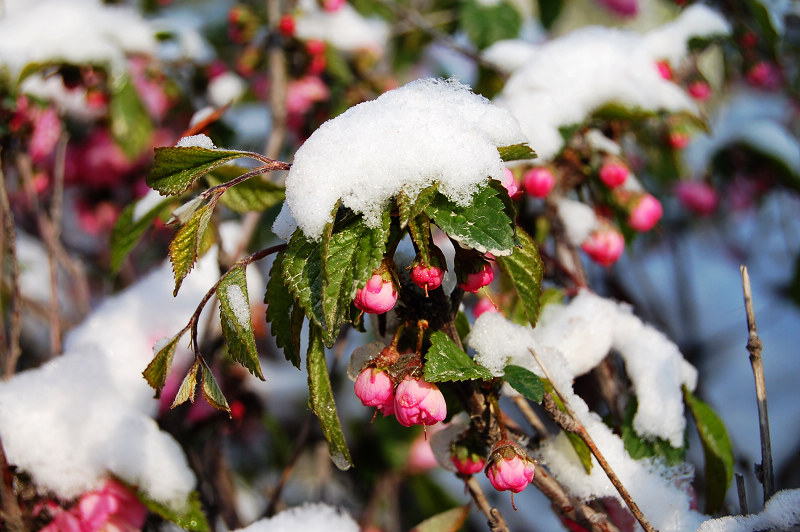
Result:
[[493, 515], [11, 349]]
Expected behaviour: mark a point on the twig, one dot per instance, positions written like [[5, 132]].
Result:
[[527, 412], [11, 512], [767, 476], [740, 489], [278, 82], [55, 236], [11, 350], [578, 428], [493, 515]]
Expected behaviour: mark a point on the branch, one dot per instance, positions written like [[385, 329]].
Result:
[[767, 476], [11, 351], [578, 428], [493, 515]]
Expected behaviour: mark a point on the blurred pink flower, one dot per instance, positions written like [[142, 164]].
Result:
[[646, 213], [46, 130], [623, 8], [604, 246], [303, 93], [538, 181], [697, 196], [111, 508]]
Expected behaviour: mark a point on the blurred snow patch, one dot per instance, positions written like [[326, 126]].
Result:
[[345, 29], [309, 516], [782, 512]]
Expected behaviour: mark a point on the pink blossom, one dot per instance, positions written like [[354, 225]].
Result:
[[514, 473], [375, 388], [417, 402], [46, 130], [427, 277], [678, 139], [699, 90], [484, 305], [469, 464], [613, 173], [538, 182], [303, 93], [476, 280], [509, 183], [604, 246], [98, 161], [112, 507], [286, 25], [623, 8], [765, 75], [664, 70], [420, 454], [332, 5], [697, 196], [645, 213], [377, 296], [150, 87]]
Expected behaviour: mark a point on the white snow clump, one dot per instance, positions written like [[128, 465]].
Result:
[[429, 131], [309, 516], [344, 29], [782, 512], [196, 141]]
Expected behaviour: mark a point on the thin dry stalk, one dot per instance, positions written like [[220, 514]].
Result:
[[767, 474], [526, 410], [493, 515], [742, 492], [11, 350]]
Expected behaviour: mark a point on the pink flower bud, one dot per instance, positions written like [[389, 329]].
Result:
[[483, 305], [645, 213], [469, 464], [427, 277], [678, 139], [477, 280], [613, 173], [375, 388], [765, 75], [377, 296], [604, 246], [286, 25], [664, 70], [510, 471], [417, 402], [699, 90], [697, 196], [509, 183], [332, 5], [538, 182], [623, 8]]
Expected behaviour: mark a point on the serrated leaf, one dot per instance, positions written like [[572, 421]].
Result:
[[353, 253], [638, 448], [517, 152], [303, 275], [525, 382], [234, 315], [409, 208], [157, 370], [130, 124], [191, 517], [447, 521], [582, 450], [255, 194], [128, 230], [445, 361], [212, 392], [717, 450], [176, 169], [525, 270], [187, 244], [420, 229], [322, 402], [483, 225], [486, 24], [188, 386], [282, 313]]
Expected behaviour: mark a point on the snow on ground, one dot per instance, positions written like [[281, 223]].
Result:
[[782, 512]]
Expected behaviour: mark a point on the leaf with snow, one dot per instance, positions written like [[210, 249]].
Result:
[[128, 230], [191, 517], [517, 152], [483, 225], [130, 125], [187, 244], [234, 314], [525, 270], [488, 22], [212, 393], [322, 402], [717, 450], [351, 255], [445, 362], [188, 386], [255, 194], [638, 447], [448, 521], [410, 209], [175, 169], [303, 275], [525, 382], [157, 370], [582, 450], [286, 319]]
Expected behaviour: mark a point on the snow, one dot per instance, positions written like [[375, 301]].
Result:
[[426, 132], [146, 203], [225, 88], [44, 31], [239, 304], [575, 74], [781, 512], [196, 141], [309, 516], [578, 218], [70, 101], [345, 29]]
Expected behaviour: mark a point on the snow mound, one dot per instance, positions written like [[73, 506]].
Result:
[[316, 516]]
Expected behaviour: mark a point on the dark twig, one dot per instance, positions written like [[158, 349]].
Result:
[[11, 350], [767, 476], [742, 492], [493, 515]]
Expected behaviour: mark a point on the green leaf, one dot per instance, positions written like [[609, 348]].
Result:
[[191, 517], [525, 269], [234, 314], [303, 275], [717, 450], [516, 152], [353, 253], [188, 386], [483, 225], [128, 230], [336, 65], [157, 370], [130, 123], [322, 402], [549, 11], [486, 24], [187, 244], [638, 448], [420, 229], [282, 313], [212, 393], [409, 209], [462, 325], [582, 450], [255, 194], [448, 521], [445, 361], [525, 382], [176, 169]]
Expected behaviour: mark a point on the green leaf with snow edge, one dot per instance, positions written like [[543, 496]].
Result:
[[303, 275], [157, 370], [638, 447], [212, 393], [282, 313], [322, 402], [130, 123], [525, 382], [176, 169], [234, 314], [582, 450], [352, 254], [482, 225], [128, 230], [191, 517], [255, 194], [525, 269], [516, 152], [717, 450], [188, 386], [187, 244], [445, 362], [409, 209]]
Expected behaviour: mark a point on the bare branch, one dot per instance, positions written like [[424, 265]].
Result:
[[493, 515], [11, 350], [742, 492]]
